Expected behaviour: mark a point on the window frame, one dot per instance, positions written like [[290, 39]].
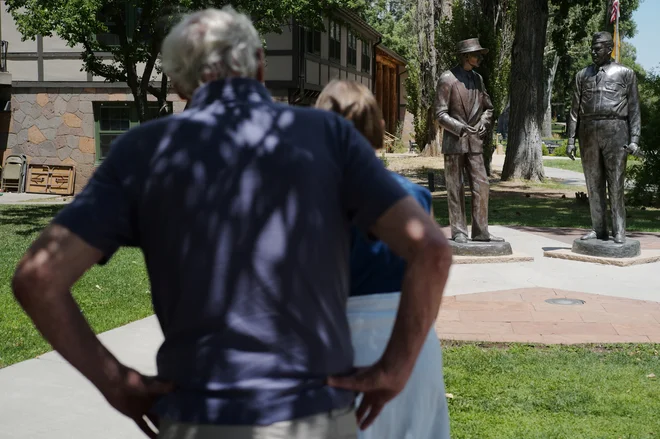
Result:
[[131, 14], [367, 54], [133, 121], [334, 42], [351, 52], [315, 36]]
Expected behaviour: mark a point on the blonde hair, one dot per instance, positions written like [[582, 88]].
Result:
[[356, 103], [210, 43]]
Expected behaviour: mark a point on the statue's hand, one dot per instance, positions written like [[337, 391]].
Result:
[[468, 131], [570, 151], [633, 149], [481, 130]]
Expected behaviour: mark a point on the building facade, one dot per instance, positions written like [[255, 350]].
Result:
[[57, 114]]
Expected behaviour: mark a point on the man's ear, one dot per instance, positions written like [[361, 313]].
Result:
[[178, 91], [261, 66]]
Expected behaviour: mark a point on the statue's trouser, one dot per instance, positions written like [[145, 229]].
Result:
[[604, 161], [476, 172]]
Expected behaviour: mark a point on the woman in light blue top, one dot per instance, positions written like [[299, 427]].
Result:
[[420, 410]]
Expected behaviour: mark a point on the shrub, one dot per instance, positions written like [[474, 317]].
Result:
[[544, 149], [560, 151], [646, 175]]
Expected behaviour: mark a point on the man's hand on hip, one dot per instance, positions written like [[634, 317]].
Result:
[[377, 386], [134, 395]]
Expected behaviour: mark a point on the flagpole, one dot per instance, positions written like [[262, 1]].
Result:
[[618, 36]]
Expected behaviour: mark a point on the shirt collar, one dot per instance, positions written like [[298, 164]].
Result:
[[230, 90]]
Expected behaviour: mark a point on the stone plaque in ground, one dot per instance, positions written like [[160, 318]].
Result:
[[607, 249], [481, 248]]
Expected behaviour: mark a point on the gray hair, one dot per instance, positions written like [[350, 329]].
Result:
[[210, 44]]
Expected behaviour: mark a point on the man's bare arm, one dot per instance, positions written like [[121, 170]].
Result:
[[428, 255], [42, 284], [412, 234]]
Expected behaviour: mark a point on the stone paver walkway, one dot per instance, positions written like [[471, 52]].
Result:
[[523, 315]]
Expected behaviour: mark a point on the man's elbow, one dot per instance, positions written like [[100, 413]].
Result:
[[437, 252], [30, 278]]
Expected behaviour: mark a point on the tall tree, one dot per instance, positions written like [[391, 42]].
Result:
[[427, 61], [523, 155], [492, 22], [138, 27]]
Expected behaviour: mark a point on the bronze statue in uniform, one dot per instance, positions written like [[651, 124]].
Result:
[[605, 115], [465, 111]]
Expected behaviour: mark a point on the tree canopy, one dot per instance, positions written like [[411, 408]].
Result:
[[137, 28]]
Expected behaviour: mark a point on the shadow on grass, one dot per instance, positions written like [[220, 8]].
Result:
[[27, 220]]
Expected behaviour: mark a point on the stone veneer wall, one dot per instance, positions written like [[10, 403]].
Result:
[[55, 126]]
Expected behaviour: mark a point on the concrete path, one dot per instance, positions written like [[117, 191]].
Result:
[[563, 175], [44, 398], [15, 198]]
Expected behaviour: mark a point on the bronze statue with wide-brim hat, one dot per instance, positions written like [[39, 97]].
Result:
[[465, 111]]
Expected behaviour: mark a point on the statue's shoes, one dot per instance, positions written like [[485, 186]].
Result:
[[590, 235], [460, 239], [489, 238], [620, 238]]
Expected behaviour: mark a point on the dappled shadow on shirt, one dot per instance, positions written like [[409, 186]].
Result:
[[237, 244]]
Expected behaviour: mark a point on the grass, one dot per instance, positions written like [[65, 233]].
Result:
[[540, 210], [570, 165], [560, 392], [109, 297], [576, 165]]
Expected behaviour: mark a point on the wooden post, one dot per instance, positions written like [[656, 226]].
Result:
[[393, 100], [431, 177], [379, 84], [385, 101]]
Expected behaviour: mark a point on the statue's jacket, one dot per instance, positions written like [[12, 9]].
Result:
[[608, 92], [461, 100]]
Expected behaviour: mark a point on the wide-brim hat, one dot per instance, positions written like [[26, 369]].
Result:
[[469, 46]]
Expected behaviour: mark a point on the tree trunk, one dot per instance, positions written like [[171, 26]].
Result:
[[434, 147], [547, 101], [427, 69], [523, 154]]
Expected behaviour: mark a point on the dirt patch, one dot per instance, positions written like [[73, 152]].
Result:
[[417, 168]]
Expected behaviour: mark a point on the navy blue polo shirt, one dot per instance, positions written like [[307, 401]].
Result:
[[242, 208]]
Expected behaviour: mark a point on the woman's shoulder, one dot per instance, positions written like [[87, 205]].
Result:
[[420, 193]]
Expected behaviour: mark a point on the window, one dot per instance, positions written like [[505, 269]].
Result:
[[112, 18], [112, 119], [366, 56], [313, 41], [335, 41], [351, 53]]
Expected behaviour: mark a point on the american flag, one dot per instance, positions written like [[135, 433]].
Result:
[[615, 11]]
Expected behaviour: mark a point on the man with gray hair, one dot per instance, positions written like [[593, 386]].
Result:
[[242, 208]]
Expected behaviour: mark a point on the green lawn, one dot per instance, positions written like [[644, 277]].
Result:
[[109, 297], [516, 209], [575, 165], [525, 392], [570, 165]]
